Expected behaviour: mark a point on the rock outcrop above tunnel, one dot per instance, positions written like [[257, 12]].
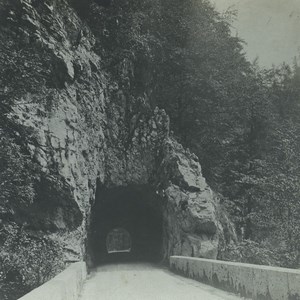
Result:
[[84, 128]]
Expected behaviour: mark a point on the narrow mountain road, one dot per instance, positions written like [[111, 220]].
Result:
[[146, 282]]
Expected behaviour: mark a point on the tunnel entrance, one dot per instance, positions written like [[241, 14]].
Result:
[[126, 225]]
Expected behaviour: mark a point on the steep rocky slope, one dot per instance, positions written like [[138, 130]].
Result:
[[82, 129]]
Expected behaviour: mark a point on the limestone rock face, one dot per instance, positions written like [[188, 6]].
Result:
[[84, 131], [190, 224]]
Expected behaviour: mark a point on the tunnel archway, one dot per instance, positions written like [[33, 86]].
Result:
[[132, 213]]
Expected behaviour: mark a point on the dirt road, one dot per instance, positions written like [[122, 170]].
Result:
[[145, 282]]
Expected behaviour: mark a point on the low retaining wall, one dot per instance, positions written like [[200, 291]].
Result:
[[65, 286], [251, 281]]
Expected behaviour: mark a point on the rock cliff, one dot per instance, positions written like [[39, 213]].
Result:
[[84, 129]]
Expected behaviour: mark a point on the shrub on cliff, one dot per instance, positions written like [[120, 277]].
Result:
[[16, 178], [28, 258], [25, 259], [251, 252]]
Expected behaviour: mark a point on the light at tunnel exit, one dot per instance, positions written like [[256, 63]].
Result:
[[118, 240]]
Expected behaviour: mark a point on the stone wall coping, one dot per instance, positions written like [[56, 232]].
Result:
[[65, 286], [257, 282], [239, 264]]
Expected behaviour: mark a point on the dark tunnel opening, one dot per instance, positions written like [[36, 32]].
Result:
[[126, 225]]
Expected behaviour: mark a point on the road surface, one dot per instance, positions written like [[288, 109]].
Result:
[[146, 282]]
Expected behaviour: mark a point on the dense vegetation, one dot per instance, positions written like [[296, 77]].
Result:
[[242, 121]]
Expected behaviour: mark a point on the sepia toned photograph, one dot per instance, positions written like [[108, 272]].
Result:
[[149, 149]]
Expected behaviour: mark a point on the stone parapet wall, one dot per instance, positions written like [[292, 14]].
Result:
[[65, 286], [251, 281]]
